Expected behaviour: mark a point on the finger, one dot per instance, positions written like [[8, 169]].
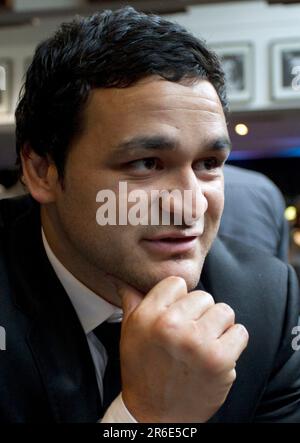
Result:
[[165, 292], [130, 296], [192, 306], [131, 299], [215, 321], [233, 342]]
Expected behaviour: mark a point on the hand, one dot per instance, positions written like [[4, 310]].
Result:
[[178, 352]]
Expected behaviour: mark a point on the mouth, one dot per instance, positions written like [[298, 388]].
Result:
[[172, 243]]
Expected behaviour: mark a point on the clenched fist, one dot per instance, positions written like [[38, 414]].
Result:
[[178, 353]]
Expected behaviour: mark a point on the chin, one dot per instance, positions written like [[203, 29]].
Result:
[[189, 271]]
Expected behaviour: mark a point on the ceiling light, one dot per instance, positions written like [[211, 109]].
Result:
[[290, 213], [241, 129]]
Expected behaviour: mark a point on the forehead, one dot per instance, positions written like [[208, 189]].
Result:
[[154, 93], [154, 103]]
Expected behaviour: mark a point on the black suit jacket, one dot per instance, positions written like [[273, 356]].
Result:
[[47, 374], [254, 212]]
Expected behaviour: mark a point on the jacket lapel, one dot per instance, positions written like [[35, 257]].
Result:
[[55, 337]]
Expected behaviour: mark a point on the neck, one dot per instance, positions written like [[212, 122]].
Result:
[[84, 271]]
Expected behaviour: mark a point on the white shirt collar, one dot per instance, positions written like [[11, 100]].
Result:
[[91, 309]]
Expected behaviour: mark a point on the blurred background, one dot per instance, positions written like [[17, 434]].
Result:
[[259, 43]]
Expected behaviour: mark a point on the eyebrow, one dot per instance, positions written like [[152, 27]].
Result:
[[164, 143], [221, 143]]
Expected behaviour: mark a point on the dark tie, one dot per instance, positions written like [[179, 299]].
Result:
[[109, 334]]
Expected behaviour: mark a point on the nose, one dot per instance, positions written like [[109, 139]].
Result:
[[185, 199]]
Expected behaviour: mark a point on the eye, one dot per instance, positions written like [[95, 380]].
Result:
[[212, 163], [144, 165], [208, 164]]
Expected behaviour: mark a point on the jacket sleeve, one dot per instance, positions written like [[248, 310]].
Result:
[[280, 402]]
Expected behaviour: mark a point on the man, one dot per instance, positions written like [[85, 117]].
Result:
[[122, 98], [254, 212]]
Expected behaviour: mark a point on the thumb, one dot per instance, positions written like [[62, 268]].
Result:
[[130, 297]]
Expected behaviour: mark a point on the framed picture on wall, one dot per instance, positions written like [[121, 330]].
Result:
[[285, 70], [5, 85], [237, 63]]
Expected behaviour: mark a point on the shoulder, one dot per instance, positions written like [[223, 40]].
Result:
[[249, 277], [13, 208], [243, 259], [13, 232], [243, 181], [238, 253], [240, 176]]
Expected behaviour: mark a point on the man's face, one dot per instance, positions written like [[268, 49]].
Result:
[[155, 135]]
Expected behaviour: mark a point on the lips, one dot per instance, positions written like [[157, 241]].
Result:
[[172, 243], [175, 236], [175, 239]]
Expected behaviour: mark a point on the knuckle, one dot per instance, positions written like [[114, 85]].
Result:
[[177, 281], [170, 320], [164, 323], [209, 299], [189, 347], [231, 377], [214, 360], [243, 332], [226, 310]]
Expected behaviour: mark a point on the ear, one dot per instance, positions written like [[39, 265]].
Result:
[[40, 176]]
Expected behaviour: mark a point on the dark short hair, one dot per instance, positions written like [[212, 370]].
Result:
[[108, 49]]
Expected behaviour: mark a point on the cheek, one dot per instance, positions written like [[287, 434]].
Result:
[[215, 200], [81, 191]]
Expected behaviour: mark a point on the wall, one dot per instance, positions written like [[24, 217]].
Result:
[[27, 5], [249, 21], [255, 22]]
